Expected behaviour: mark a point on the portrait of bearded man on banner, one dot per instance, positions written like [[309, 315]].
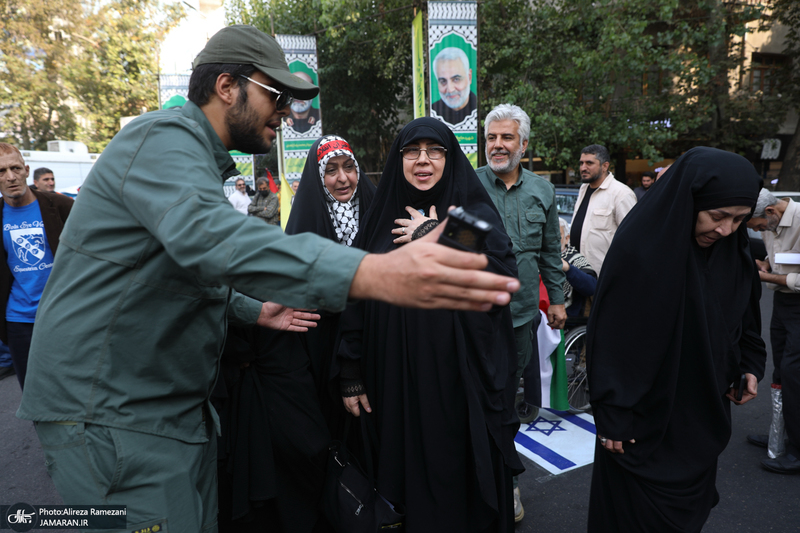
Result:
[[302, 116], [454, 78]]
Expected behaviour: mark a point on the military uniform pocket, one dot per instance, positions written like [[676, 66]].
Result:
[[534, 229]]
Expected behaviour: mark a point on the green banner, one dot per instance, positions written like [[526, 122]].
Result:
[[302, 144], [466, 137], [453, 57], [245, 168], [418, 61], [294, 165], [303, 126]]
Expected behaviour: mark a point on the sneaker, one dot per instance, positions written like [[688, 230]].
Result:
[[6, 371], [519, 512]]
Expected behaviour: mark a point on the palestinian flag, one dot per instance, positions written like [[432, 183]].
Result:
[[552, 358], [552, 367], [273, 188]]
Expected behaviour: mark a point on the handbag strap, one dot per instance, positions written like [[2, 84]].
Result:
[[368, 435], [367, 447]]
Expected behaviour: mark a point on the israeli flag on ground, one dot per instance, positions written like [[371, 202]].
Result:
[[558, 441]]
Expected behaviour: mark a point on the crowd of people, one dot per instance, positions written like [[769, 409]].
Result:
[[195, 365]]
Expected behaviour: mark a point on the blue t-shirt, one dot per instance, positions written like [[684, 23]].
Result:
[[29, 258]]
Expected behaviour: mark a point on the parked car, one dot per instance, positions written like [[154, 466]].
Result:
[[566, 197], [756, 242]]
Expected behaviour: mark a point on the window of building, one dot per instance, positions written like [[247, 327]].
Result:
[[763, 71], [651, 83]]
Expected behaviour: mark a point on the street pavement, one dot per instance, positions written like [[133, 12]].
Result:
[[751, 499], [23, 477]]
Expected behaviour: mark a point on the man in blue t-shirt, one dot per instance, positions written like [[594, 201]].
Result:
[[32, 222]]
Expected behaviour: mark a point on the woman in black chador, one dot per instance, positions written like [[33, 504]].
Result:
[[276, 408], [439, 383], [332, 199], [661, 386]]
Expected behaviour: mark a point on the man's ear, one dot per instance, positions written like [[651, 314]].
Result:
[[770, 210], [605, 166], [226, 88]]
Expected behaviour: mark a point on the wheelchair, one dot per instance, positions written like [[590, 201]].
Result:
[[577, 377]]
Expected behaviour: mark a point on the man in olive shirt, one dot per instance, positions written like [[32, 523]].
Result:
[[527, 206], [131, 324]]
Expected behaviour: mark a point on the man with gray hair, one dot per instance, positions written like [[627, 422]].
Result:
[[526, 203], [454, 77], [602, 204], [778, 220], [238, 198], [265, 204]]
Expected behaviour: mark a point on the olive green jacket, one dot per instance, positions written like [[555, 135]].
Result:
[[132, 321], [530, 214]]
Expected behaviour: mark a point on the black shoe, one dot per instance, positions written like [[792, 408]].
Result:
[[786, 464], [6, 371], [762, 441]]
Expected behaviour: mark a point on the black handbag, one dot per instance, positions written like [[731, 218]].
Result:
[[350, 501]]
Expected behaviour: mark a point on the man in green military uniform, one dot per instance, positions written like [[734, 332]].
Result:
[[527, 206], [132, 321]]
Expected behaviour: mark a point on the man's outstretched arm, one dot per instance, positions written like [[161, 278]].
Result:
[[431, 276]]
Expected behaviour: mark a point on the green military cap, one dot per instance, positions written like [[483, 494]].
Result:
[[241, 44]]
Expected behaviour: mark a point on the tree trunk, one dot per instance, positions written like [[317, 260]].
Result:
[[718, 55], [789, 176], [619, 160]]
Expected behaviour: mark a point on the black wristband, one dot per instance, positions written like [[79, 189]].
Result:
[[350, 388], [424, 228]]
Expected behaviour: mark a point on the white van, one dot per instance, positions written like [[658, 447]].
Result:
[[70, 162]]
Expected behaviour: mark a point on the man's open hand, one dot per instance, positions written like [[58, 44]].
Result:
[[276, 316]]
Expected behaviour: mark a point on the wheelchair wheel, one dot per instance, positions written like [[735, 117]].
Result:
[[577, 378]]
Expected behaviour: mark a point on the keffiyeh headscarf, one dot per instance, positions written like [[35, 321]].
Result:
[[344, 215]]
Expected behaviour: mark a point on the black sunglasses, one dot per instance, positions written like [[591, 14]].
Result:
[[284, 99]]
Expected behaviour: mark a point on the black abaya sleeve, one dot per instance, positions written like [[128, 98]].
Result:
[[751, 345]]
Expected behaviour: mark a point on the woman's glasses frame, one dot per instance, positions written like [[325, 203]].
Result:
[[412, 153]]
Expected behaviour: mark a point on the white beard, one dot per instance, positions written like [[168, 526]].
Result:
[[301, 106], [461, 101], [513, 161]]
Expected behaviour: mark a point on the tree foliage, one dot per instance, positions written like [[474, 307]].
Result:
[[72, 68], [364, 50], [115, 73], [787, 13], [647, 79], [644, 78], [34, 48]]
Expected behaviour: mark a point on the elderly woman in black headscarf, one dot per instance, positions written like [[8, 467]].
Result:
[[661, 386], [331, 201], [278, 412], [439, 383]]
